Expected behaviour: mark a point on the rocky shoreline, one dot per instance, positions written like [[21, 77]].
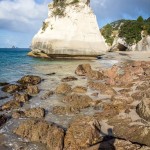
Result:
[[92, 108]]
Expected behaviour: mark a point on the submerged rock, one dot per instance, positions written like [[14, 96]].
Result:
[[21, 97], [32, 90], [54, 40], [79, 101], [82, 133], [30, 113], [3, 83], [61, 110], [63, 88], [11, 88], [30, 79], [43, 132], [11, 105], [68, 79], [83, 69], [3, 119]]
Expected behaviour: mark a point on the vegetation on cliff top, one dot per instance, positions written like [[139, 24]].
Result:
[[60, 5], [129, 30]]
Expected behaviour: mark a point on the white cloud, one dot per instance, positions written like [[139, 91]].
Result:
[[20, 15]]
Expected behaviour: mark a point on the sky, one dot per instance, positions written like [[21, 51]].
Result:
[[21, 19]]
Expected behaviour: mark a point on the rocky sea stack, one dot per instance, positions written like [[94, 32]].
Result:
[[71, 30]]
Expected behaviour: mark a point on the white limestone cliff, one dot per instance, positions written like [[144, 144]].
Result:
[[71, 29]]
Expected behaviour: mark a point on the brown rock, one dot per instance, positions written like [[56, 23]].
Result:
[[138, 95], [11, 88], [143, 109], [35, 112], [143, 86], [3, 119], [83, 69], [43, 132], [18, 114], [30, 113], [63, 88], [103, 88], [68, 79], [125, 129], [82, 133], [79, 89], [3, 83], [11, 105], [30, 79], [95, 94], [21, 97], [115, 144], [79, 101], [60, 110], [32, 90], [122, 99]]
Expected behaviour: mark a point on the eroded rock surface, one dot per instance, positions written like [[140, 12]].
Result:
[[43, 132], [82, 133]]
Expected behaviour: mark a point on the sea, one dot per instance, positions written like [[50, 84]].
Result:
[[14, 64]]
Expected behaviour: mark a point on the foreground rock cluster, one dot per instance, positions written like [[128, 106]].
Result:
[[119, 98]]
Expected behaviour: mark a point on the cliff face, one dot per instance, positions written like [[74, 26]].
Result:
[[71, 29], [133, 35]]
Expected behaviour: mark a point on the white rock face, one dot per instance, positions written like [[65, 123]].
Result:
[[74, 34], [142, 45]]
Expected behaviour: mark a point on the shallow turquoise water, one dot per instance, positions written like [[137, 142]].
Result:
[[14, 63]]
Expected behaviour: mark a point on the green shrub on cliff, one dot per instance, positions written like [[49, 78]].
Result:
[[129, 30], [107, 33]]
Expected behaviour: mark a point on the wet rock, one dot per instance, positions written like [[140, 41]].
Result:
[[30, 113], [18, 114], [63, 88], [3, 83], [21, 97], [11, 105], [50, 74], [143, 86], [82, 132], [79, 101], [95, 75], [115, 144], [47, 95], [32, 90], [3, 119], [61, 110], [138, 95], [122, 99], [113, 72], [30, 79], [3, 97], [109, 111], [103, 88], [35, 112], [79, 89], [83, 69], [68, 79], [143, 109], [43, 132], [11, 88], [124, 128]]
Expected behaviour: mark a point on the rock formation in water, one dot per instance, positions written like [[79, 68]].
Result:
[[71, 30]]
